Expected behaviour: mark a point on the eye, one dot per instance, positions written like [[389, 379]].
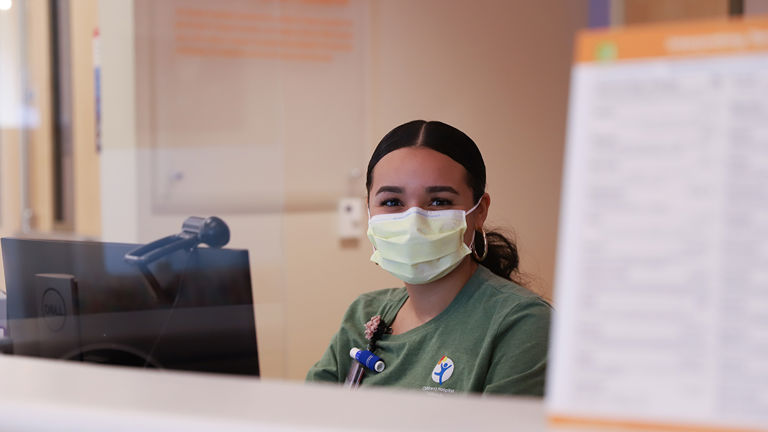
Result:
[[440, 202], [391, 202]]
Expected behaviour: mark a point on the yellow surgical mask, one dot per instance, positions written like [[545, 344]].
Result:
[[419, 246]]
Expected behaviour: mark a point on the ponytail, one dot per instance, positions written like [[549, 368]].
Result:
[[502, 257]]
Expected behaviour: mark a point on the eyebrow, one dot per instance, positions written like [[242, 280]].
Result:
[[395, 189], [430, 189], [435, 189]]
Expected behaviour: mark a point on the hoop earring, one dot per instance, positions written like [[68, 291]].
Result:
[[485, 248]]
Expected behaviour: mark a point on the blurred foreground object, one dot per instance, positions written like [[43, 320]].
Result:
[[662, 261]]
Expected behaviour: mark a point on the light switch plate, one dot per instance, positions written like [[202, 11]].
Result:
[[351, 217]]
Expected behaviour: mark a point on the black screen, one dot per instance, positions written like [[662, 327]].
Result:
[[83, 301]]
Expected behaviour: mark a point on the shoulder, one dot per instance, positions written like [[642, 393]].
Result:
[[520, 320], [506, 300]]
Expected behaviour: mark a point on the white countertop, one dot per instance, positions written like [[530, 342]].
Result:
[[48, 395]]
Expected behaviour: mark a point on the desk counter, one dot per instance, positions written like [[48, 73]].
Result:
[[48, 395]]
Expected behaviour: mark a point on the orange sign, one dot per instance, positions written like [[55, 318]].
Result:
[[718, 37]]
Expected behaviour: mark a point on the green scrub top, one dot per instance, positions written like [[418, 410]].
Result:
[[492, 338]]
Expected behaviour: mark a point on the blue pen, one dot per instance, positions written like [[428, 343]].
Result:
[[368, 359]]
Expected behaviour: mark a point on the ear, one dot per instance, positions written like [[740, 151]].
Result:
[[482, 211]]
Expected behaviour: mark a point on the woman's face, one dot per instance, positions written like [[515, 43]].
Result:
[[422, 177]]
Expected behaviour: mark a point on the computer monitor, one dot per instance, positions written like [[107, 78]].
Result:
[[81, 300]]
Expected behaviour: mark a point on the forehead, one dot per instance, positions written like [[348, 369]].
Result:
[[418, 166]]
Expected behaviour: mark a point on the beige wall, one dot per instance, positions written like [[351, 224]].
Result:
[[10, 217], [755, 7], [500, 72], [646, 11], [39, 135], [83, 21], [10, 100]]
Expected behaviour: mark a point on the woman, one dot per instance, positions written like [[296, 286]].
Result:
[[461, 323]]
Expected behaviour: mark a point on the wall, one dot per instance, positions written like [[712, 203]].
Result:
[[10, 83], [644, 11], [626, 12], [500, 72], [87, 202], [31, 67], [755, 7], [83, 22], [40, 136]]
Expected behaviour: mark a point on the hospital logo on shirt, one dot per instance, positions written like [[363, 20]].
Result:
[[443, 370]]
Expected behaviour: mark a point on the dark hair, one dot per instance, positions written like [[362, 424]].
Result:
[[502, 258]]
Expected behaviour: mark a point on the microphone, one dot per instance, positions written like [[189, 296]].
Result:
[[195, 230]]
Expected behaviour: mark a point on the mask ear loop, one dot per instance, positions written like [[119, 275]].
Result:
[[474, 207], [368, 209]]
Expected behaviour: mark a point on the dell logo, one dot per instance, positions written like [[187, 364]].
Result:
[[53, 310]]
